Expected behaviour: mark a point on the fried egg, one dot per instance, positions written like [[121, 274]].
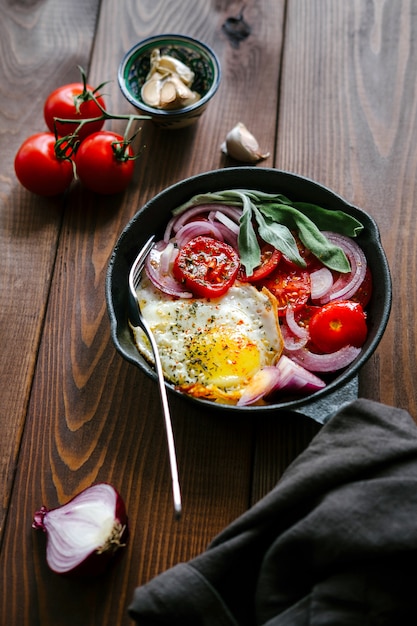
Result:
[[211, 348]]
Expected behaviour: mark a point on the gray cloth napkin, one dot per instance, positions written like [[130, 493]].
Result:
[[334, 543]]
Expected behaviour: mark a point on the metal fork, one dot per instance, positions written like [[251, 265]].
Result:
[[137, 319]]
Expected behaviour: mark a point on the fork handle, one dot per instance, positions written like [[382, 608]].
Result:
[[176, 492]]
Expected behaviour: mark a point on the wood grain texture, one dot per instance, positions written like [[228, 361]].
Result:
[[38, 52], [348, 119], [91, 415], [248, 71], [342, 111]]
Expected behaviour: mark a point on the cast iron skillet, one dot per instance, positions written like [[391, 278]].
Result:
[[152, 219]]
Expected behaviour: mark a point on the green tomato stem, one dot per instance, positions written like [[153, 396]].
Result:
[[65, 147]]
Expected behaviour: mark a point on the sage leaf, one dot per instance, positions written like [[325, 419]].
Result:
[[230, 197], [279, 236], [249, 249], [330, 255], [333, 220], [277, 217]]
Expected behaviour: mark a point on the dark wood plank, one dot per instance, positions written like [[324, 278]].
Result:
[[39, 52], [357, 134], [91, 415]]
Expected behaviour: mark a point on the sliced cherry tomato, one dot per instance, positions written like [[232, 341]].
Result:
[[290, 285], [338, 324], [104, 162], [304, 314], [364, 293], [39, 169], [270, 257], [207, 267], [73, 102]]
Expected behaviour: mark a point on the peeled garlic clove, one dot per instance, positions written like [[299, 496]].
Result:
[[241, 145], [176, 67], [154, 60], [168, 94], [151, 91], [194, 97], [174, 94], [184, 93]]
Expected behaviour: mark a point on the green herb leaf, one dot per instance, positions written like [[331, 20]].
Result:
[[333, 220], [330, 255], [229, 197], [276, 217], [249, 250], [279, 236]]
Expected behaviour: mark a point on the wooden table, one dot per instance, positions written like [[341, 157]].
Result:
[[329, 88]]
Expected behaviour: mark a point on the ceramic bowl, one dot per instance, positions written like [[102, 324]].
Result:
[[152, 219], [198, 56]]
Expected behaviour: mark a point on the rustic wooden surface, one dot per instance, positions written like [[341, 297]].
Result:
[[328, 87]]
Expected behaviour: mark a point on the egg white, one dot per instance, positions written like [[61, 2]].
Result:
[[211, 348]]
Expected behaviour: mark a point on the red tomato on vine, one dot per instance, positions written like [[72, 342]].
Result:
[[39, 167], [105, 162], [75, 101]]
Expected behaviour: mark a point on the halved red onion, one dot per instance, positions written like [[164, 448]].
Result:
[[155, 268], [321, 282], [84, 534], [347, 284], [325, 362]]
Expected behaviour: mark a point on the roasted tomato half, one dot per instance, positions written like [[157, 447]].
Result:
[[207, 267]]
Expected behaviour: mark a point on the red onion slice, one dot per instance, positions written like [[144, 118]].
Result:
[[179, 220], [224, 219], [347, 284], [325, 362], [162, 280], [296, 329], [167, 257], [197, 228], [291, 341], [294, 377], [84, 533], [215, 212], [286, 375], [321, 282], [228, 236], [168, 233], [262, 383]]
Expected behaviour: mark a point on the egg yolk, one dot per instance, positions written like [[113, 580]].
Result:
[[223, 357]]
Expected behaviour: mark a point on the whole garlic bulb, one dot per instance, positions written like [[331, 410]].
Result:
[[241, 145]]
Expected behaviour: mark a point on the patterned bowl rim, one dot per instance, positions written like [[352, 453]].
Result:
[[148, 44]]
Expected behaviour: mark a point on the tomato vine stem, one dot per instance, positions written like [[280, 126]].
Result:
[[65, 147]]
